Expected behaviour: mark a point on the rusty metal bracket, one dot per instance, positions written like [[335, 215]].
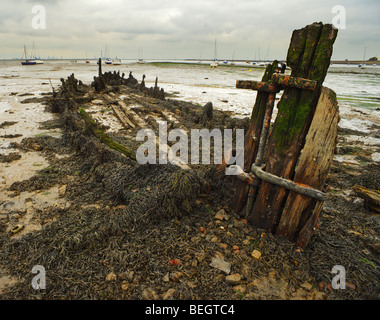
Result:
[[277, 83]]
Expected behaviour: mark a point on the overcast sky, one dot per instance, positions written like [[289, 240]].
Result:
[[164, 29]]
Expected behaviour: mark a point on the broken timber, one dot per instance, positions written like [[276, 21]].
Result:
[[371, 198], [103, 137], [285, 198]]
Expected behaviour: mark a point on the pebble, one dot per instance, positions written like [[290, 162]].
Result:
[[307, 286], [176, 276], [214, 239], [62, 190], [221, 215], [111, 276], [124, 286], [221, 265], [256, 254], [168, 295], [223, 245], [165, 278], [233, 279], [149, 294], [240, 288], [200, 256]]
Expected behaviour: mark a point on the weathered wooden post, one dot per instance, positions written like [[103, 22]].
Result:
[[287, 198]]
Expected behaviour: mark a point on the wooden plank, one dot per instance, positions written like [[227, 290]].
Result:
[[371, 198], [313, 164], [309, 57], [122, 117], [136, 118], [252, 139]]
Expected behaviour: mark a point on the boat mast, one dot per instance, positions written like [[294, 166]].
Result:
[[365, 48], [26, 57], [215, 51]]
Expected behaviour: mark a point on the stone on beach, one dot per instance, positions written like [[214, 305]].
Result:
[[221, 265]]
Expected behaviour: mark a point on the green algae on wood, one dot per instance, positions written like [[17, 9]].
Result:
[[252, 137], [103, 137], [309, 57]]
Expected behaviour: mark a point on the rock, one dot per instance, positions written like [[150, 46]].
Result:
[[223, 245], [36, 147], [194, 239], [168, 295], [221, 265], [111, 276], [256, 254], [165, 278], [214, 239], [176, 276], [200, 256], [221, 215], [233, 279], [149, 294], [239, 224], [124, 286], [240, 288], [62, 190], [307, 286], [191, 285], [219, 255]]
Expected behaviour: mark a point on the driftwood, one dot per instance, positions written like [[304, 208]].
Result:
[[371, 198]]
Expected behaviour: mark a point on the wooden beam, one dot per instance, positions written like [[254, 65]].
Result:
[[309, 57], [313, 165], [252, 139]]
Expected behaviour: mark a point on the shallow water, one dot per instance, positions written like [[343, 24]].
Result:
[[192, 82], [198, 83]]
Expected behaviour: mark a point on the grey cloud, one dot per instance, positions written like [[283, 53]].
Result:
[[185, 28]]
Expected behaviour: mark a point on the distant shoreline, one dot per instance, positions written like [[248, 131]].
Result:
[[343, 62]]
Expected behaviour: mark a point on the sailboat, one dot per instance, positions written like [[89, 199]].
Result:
[[140, 60], [34, 55], [27, 62], [200, 56], [363, 64], [116, 61], [214, 63], [108, 59], [230, 62], [87, 61]]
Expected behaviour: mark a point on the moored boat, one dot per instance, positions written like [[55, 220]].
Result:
[[27, 62], [116, 61]]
